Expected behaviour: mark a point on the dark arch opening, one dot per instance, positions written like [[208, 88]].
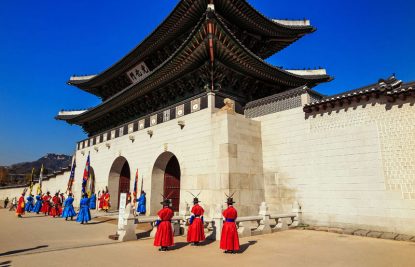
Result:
[[172, 182]]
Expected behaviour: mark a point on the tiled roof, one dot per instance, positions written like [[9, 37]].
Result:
[[389, 87]]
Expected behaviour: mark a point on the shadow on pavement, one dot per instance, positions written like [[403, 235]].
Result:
[[206, 242], [5, 263], [244, 247], [143, 234], [34, 215], [179, 245], [11, 252], [104, 221]]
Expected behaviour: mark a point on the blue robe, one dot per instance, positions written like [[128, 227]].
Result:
[[84, 215], [141, 204], [93, 202], [29, 205], [68, 210], [38, 204]]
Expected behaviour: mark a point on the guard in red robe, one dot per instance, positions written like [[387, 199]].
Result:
[[196, 231], [46, 204], [21, 205], [55, 209], [164, 234], [229, 239], [100, 199]]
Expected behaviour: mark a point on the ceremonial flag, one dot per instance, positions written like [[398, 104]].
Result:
[[142, 183], [31, 180], [41, 176], [135, 186], [72, 175], [86, 174]]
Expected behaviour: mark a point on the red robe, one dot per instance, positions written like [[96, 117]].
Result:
[[55, 210], [164, 235], [196, 232], [106, 202], [20, 206], [45, 206], [101, 201], [229, 239]]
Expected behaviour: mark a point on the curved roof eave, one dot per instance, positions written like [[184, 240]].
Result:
[[182, 5], [305, 78]]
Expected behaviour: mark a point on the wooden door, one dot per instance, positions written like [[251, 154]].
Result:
[[172, 182], [124, 184]]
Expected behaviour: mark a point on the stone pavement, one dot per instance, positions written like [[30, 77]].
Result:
[[71, 244]]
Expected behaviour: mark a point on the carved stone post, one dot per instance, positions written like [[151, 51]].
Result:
[[183, 223], [297, 210], [128, 233], [217, 223], [264, 226]]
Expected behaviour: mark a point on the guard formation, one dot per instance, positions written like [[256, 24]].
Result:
[[58, 206], [165, 236]]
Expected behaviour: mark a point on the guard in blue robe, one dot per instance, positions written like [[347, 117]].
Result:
[[93, 201], [84, 215], [141, 203], [38, 204], [68, 210], [29, 205]]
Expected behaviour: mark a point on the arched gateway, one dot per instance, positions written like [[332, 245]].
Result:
[[118, 180], [165, 180]]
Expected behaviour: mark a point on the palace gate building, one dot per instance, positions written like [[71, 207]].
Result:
[[196, 108]]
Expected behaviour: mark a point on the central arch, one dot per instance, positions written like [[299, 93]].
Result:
[[165, 179], [118, 180]]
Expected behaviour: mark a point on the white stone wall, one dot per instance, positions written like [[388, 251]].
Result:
[[348, 168], [53, 185], [201, 148]]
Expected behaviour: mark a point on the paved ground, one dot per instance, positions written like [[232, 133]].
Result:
[[40, 241]]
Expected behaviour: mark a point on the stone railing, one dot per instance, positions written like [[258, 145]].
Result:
[[263, 223]]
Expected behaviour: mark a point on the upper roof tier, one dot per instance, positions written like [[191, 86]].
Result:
[[262, 36], [211, 58]]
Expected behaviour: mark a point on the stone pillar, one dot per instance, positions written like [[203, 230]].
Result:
[[128, 233], [264, 227], [211, 101]]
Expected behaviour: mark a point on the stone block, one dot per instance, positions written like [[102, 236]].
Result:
[[390, 236], [349, 231], [374, 234], [336, 230], [322, 229], [361, 232], [403, 237]]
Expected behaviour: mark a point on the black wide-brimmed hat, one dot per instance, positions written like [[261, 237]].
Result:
[[166, 202], [195, 198], [230, 201]]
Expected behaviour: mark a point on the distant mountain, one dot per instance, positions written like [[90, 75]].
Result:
[[51, 162]]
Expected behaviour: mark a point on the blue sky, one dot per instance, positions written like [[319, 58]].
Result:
[[42, 43]]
